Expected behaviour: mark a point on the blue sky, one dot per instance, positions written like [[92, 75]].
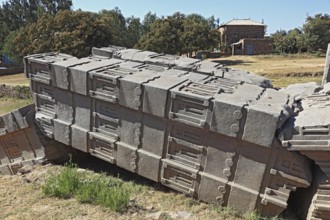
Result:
[[279, 14]]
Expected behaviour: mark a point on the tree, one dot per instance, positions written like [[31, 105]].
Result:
[[317, 32], [15, 14], [10, 50], [279, 41], [133, 32], [116, 22], [148, 20], [71, 32], [164, 35], [198, 34]]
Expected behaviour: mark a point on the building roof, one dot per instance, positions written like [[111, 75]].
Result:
[[243, 22]]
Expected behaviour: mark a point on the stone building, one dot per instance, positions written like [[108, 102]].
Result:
[[245, 37]]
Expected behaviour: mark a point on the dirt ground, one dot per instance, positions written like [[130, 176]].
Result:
[[22, 198]]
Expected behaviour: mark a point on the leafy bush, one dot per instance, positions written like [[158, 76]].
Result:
[[19, 92], [97, 189]]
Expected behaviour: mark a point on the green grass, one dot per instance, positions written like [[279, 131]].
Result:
[[97, 189]]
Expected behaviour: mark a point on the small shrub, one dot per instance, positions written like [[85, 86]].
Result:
[[94, 189], [113, 195], [64, 185]]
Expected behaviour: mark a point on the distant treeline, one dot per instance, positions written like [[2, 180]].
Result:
[[36, 26]]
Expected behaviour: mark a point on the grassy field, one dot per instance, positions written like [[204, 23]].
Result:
[[15, 79], [9, 104], [281, 69]]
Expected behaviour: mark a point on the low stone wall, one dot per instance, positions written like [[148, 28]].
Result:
[[10, 71]]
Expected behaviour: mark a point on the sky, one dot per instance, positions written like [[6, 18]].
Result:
[[277, 14]]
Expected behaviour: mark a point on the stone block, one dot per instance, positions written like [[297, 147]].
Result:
[[131, 89], [156, 95], [228, 118], [79, 138], [146, 160], [241, 199], [185, 146], [186, 63], [21, 142], [179, 177], [105, 118], [78, 76], [64, 106], [35, 142], [213, 189], [263, 118], [221, 158], [127, 157], [103, 147], [162, 59], [130, 127], [126, 54], [106, 51], [62, 131], [45, 124], [249, 172], [19, 119], [38, 67], [10, 124], [326, 72], [142, 56], [3, 128], [209, 68], [191, 104], [82, 107], [60, 73], [153, 137]]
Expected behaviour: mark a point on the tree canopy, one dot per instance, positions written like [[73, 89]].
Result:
[[179, 34], [313, 36], [317, 32], [15, 14], [36, 26]]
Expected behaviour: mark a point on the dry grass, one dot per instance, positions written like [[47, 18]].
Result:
[[22, 198], [15, 79], [283, 70], [9, 104]]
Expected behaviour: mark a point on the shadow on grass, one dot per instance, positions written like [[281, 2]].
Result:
[[87, 161], [233, 62]]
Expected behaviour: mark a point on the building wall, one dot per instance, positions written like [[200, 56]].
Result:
[[233, 33], [256, 46]]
